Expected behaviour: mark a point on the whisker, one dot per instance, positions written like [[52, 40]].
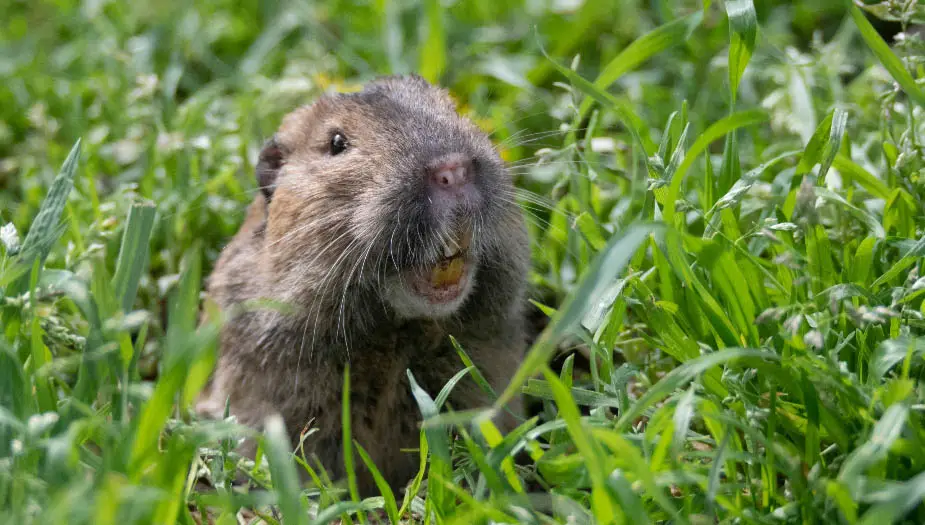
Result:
[[521, 119], [342, 321], [538, 135]]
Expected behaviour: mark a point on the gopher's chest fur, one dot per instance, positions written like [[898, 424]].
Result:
[[303, 382]]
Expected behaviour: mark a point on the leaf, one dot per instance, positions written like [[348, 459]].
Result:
[[907, 260], [623, 111], [391, 508], [678, 153], [741, 186], [416, 482], [489, 476], [340, 508], [851, 171], [46, 227], [470, 365], [630, 503], [886, 10], [897, 501], [448, 387], [439, 445], [643, 48], [433, 49], [846, 504], [811, 439], [629, 455], [731, 168], [580, 396], [590, 230], [885, 55], [884, 434], [14, 397], [743, 28], [836, 134], [876, 229], [42, 233], [184, 300], [502, 451], [863, 260], [605, 268], [891, 352], [72, 286], [683, 415], [812, 153], [686, 372], [493, 439], [186, 349], [592, 455], [716, 468], [346, 439], [716, 314], [668, 197], [429, 409], [282, 469], [133, 253], [824, 144]]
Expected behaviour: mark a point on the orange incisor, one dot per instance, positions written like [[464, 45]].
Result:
[[447, 273]]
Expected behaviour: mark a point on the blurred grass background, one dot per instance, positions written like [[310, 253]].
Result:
[[732, 274]]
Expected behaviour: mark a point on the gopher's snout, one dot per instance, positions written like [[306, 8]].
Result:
[[451, 187]]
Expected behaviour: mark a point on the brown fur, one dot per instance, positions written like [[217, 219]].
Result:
[[363, 215]]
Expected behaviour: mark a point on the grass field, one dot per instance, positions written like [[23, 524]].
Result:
[[725, 201]]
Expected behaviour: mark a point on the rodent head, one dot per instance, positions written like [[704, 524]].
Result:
[[390, 191]]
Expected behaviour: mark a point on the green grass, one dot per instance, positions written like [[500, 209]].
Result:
[[725, 204]]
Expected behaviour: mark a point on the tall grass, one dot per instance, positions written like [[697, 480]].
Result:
[[725, 213]]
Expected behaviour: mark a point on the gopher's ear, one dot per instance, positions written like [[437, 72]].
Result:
[[271, 159]]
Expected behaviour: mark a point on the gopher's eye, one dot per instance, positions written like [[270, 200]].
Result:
[[338, 143]]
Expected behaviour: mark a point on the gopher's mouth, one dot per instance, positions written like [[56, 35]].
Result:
[[444, 281]]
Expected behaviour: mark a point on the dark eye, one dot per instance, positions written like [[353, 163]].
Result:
[[338, 143]]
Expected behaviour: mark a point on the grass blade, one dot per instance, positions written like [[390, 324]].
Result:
[[824, 144], [642, 49], [347, 440], [133, 253], [743, 28], [896, 502], [43, 232], [630, 503], [331, 513], [14, 397], [439, 445], [885, 55], [448, 387], [591, 454], [607, 266], [669, 196], [884, 434], [686, 372], [433, 48], [282, 468], [391, 508], [626, 114], [851, 171], [46, 227]]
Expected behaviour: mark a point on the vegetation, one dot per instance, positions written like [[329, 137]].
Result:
[[725, 201]]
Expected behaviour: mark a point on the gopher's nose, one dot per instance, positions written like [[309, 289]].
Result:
[[449, 173]]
